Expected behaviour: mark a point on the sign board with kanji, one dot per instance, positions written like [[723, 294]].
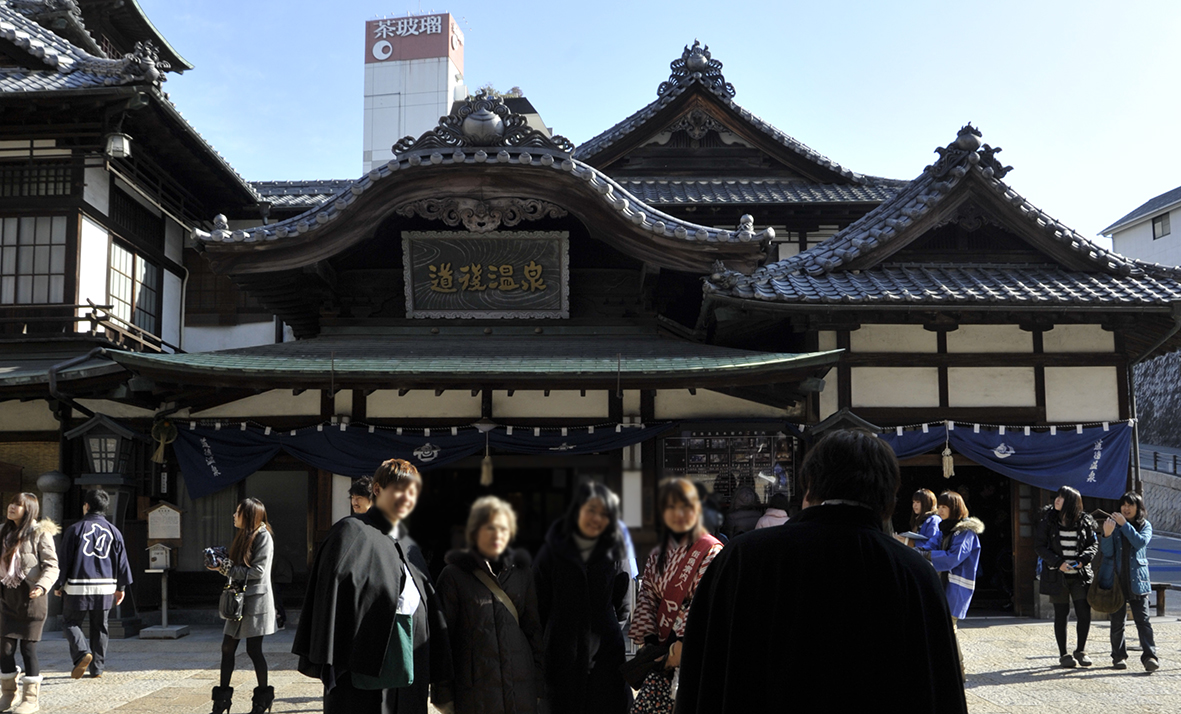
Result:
[[163, 522], [490, 275]]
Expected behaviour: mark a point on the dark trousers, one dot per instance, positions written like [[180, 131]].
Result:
[[1119, 644], [98, 636]]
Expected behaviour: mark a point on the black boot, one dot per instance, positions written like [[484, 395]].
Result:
[[222, 697], [262, 700]]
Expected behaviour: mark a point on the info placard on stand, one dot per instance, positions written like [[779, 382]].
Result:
[[163, 525]]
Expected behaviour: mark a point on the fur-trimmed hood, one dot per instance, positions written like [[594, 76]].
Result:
[[971, 523], [47, 526], [469, 560]]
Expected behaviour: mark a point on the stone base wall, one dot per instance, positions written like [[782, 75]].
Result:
[[36, 457], [1162, 498]]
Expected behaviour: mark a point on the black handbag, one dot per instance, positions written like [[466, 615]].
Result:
[[232, 603], [649, 659]]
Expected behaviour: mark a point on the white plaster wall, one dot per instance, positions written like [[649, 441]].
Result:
[[1078, 394], [893, 338], [93, 257], [827, 340], [631, 402], [829, 398], [1078, 338], [895, 386], [26, 416], [210, 339], [706, 404], [96, 189], [989, 338], [112, 409], [174, 241], [343, 403], [453, 403], [1137, 242], [991, 387], [633, 498], [276, 402], [170, 319], [341, 505], [559, 404]]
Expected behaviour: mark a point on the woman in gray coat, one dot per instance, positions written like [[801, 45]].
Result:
[[249, 564]]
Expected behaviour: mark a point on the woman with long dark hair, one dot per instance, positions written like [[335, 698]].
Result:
[[924, 517], [683, 552], [582, 582], [251, 555], [28, 568], [1126, 535], [1065, 540]]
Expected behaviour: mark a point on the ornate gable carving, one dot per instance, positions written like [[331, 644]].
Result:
[[697, 123], [484, 120], [481, 216], [696, 64]]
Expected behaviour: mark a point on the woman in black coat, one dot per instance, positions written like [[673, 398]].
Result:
[[1066, 542], [490, 605], [582, 596]]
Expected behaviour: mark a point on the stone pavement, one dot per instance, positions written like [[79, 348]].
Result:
[[1011, 664]]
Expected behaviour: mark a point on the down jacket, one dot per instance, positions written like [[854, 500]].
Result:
[[497, 663], [1138, 580], [38, 556], [955, 550], [581, 606], [1047, 542]]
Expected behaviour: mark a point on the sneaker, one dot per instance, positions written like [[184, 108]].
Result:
[[1119, 664], [1151, 664], [1082, 658], [81, 665], [1066, 661]]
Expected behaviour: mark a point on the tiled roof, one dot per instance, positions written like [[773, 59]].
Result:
[[1150, 207], [963, 285], [299, 194], [66, 66], [753, 191], [821, 274], [680, 83], [460, 358]]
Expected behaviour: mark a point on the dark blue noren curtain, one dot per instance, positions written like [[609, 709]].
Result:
[[212, 459], [913, 443]]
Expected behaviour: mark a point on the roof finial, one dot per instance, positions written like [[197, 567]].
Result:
[[696, 64], [965, 152]]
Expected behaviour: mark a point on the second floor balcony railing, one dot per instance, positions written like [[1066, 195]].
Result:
[[96, 321]]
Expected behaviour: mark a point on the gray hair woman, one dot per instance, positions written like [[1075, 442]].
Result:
[[490, 605]]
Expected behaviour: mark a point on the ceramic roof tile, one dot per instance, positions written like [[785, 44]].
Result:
[[754, 191]]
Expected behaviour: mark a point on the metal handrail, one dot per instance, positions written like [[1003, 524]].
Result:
[[1159, 461]]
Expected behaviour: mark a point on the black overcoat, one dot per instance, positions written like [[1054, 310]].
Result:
[[1047, 543], [581, 606], [348, 614], [784, 615], [497, 663]]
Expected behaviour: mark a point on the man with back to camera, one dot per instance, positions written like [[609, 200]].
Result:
[[783, 613], [94, 575]]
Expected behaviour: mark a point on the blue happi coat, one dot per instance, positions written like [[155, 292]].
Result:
[[957, 554], [930, 526]]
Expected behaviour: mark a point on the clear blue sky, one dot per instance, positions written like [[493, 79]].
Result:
[[1081, 95]]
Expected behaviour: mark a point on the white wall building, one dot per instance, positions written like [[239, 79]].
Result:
[[1151, 232]]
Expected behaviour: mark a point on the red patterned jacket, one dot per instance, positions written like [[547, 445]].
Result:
[[648, 598]]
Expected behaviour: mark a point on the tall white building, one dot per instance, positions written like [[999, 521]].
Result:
[[413, 72]]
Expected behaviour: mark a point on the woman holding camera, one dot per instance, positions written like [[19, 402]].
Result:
[[1126, 535], [1065, 540], [249, 567]]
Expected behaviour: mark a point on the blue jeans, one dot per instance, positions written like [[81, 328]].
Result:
[[1119, 644]]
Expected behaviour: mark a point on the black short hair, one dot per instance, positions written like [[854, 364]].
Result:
[[852, 465], [97, 499], [362, 487]]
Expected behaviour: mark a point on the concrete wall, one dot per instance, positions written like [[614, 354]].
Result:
[[1162, 498]]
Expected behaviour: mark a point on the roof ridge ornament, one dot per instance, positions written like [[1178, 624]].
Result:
[[144, 62], [483, 120], [967, 148], [696, 64]]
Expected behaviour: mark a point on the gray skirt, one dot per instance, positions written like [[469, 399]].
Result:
[[258, 618]]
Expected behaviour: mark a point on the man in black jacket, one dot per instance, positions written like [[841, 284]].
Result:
[[782, 613], [94, 575]]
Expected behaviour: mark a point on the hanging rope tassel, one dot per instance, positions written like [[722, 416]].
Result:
[[948, 461], [486, 465], [164, 433]]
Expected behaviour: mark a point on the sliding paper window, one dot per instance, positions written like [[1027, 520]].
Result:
[[135, 289], [32, 260]]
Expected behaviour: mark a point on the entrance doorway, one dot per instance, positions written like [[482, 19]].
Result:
[[987, 495], [538, 487]]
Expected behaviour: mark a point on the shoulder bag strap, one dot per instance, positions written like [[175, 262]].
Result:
[[678, 586], [498, 593]]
